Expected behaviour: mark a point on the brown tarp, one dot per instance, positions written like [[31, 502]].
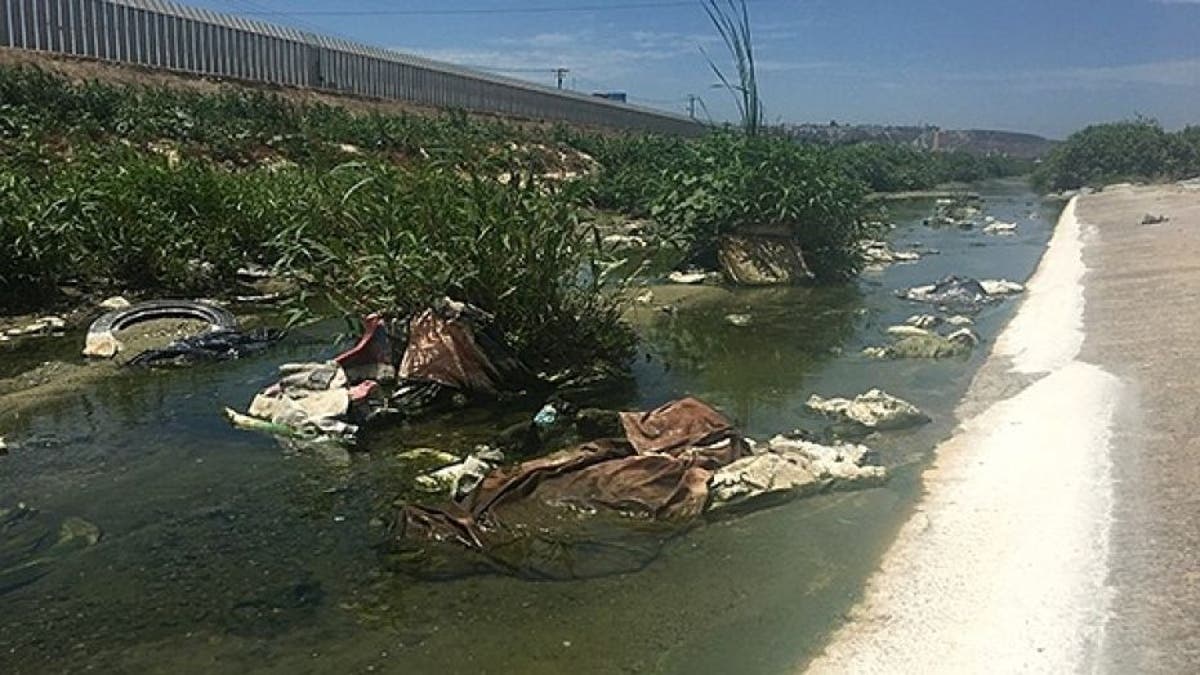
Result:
[[444, 350], [677, 425], [454, 344], [660, 472]]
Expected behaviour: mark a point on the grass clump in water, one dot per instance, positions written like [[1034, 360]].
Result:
[[401, 237], [726, 182]]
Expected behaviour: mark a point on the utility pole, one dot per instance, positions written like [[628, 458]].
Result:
[[692, 98], [560, 73]]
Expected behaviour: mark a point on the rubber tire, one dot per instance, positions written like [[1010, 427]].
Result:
[[118, 320], [101, 338]]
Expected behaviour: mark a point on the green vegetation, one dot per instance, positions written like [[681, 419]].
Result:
[[701, 189], [732, 22], [1121, 151], [402, 237], [896, 168], [108, 188]]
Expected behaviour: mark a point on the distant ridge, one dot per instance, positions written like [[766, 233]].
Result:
[[979, 141]]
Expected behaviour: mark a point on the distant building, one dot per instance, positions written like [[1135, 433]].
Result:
[[618, 96]]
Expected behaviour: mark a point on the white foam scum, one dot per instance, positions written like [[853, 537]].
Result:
[[1003, 567]]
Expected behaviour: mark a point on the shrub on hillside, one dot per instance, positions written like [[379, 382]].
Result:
[[1132, 150], [896, 168]]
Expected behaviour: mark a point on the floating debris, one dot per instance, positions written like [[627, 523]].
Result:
[[1000, 228], [691, 277], [875, 410], [1001, 287], [907, 331], [926, 321], [114, 303], [877, 252], [929, 346], [44, 326]]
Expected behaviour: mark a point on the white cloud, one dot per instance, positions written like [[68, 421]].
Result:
[[596, 60], [599, 64], [1179, 73], [775, 66], [672, 42], [544, 39]]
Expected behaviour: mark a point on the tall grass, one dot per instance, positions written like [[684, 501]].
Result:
[[372, 236], [732, 21], [398, 238]]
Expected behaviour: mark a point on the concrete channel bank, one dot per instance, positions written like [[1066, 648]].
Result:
[[1060, 530]]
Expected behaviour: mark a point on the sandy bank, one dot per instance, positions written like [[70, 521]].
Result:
[[1003, 567]]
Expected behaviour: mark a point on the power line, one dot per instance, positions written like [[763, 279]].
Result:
[[257, 9], [545, 9]]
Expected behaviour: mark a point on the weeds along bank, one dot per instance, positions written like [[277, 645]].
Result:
[[106, 188], [896, 168], [1109, 153], [700, 189]]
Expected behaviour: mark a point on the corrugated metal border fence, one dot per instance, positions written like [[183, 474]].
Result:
[[171, 36]]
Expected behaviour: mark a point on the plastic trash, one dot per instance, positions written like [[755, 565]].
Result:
[[546, 417]]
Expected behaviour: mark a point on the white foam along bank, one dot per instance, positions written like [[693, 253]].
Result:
[[1003, 566]]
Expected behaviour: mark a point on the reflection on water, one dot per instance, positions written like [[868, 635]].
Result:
[[221, 554], [791, 332]]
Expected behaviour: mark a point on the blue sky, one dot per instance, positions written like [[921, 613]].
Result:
[[1046, 66]]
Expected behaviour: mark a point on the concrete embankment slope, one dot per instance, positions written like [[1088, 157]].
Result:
[[1143, 324], [1004, 566]]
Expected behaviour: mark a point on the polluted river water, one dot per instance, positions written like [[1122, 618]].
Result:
[[221, 553]]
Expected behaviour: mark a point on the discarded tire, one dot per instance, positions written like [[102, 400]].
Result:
[[102, 341]]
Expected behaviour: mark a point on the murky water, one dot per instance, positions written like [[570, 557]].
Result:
[[222, 554]]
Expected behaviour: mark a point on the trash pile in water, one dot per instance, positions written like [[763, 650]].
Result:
[[442, 357], [963, 294], [607, 505], [922, 336], [958, 211]]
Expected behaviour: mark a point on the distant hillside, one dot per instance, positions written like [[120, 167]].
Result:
[[1013, 144], [977, 141]]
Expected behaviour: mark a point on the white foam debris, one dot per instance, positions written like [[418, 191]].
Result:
[[1003, 568], [1047, 331]]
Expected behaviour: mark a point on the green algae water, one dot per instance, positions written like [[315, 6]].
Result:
[[222, 553]]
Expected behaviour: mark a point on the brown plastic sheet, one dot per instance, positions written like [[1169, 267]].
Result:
[[454, 344], [444, 350], [659, 473]]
